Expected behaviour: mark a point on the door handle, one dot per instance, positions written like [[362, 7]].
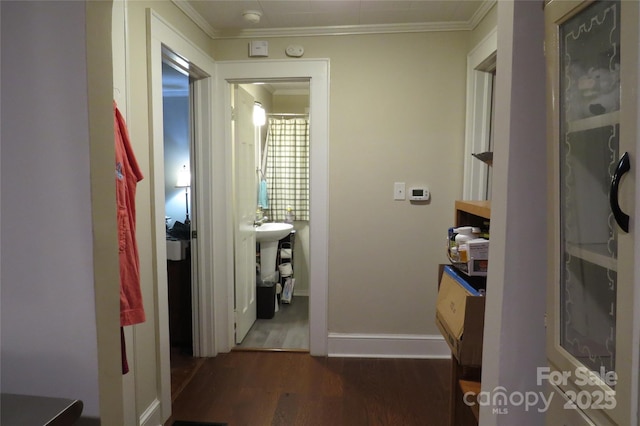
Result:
[[623, 167]]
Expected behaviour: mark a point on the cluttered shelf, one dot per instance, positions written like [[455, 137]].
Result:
[[468, 247], [460, 309], [474, 211]]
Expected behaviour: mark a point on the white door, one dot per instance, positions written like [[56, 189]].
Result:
[[592, 308], [245, 194]]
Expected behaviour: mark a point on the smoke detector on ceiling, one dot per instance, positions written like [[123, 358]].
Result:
[[252, 16]]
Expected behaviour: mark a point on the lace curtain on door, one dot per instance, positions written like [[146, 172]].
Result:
[[287, 169]]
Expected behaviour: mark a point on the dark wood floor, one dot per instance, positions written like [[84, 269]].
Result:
[[183, 368], [296, 389]]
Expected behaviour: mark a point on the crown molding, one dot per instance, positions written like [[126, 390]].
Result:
[[469, 25], [197, 19], [482, 11], [344, 30]]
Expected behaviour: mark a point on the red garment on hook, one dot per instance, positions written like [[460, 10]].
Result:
[[128, 174]]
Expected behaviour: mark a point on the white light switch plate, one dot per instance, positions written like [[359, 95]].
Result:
[[399, 191]]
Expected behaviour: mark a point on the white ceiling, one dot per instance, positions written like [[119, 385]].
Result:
[[223, 18]]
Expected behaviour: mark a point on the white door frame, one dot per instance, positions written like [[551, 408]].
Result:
[[161, 34], [317, 72], [478, 122]]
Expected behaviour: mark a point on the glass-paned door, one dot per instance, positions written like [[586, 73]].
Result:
[[589, 150], [593, 323]]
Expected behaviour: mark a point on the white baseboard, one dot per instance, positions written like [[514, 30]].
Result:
[[151, 416], [388, 346]]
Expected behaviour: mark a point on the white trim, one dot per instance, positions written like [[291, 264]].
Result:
[[388, 346], [348, 30], [478, 121], [121, 72], [151, 416], [317, 72], [204, 220], [336, 30], [197, 19], [160, 34], [482, 11]]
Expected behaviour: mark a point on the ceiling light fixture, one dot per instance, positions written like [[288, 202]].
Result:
[[252, 16], [259, 114]]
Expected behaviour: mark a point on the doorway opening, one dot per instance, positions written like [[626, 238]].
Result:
[[178, 147], [273, 314], [183, 112], [478, 157], [316, 73]]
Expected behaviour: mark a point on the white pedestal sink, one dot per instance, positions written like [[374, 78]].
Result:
[[268, 235]]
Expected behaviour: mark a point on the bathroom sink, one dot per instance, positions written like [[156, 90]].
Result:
[[271, 231], [267, 235]]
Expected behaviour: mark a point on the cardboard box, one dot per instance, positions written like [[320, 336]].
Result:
[[460, 317]]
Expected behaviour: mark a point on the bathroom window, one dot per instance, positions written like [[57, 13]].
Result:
[[287, 170]]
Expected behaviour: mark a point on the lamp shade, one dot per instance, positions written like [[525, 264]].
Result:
[[184, 178]]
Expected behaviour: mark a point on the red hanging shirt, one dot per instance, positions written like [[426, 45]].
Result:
[[128, 174]]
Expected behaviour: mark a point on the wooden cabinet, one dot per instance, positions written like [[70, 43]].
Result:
[[180, 310], [466, 378], [473, 213], [591, 50]]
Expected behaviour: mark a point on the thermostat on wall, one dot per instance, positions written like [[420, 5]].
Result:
[[418, 194], [258, 48]]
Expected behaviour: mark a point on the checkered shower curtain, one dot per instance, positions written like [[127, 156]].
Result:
[[287, 169]]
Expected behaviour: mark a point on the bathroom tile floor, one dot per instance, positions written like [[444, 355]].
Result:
[[288, 329]]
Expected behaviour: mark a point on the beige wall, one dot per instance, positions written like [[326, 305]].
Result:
[[397, 105], [296, 104]]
